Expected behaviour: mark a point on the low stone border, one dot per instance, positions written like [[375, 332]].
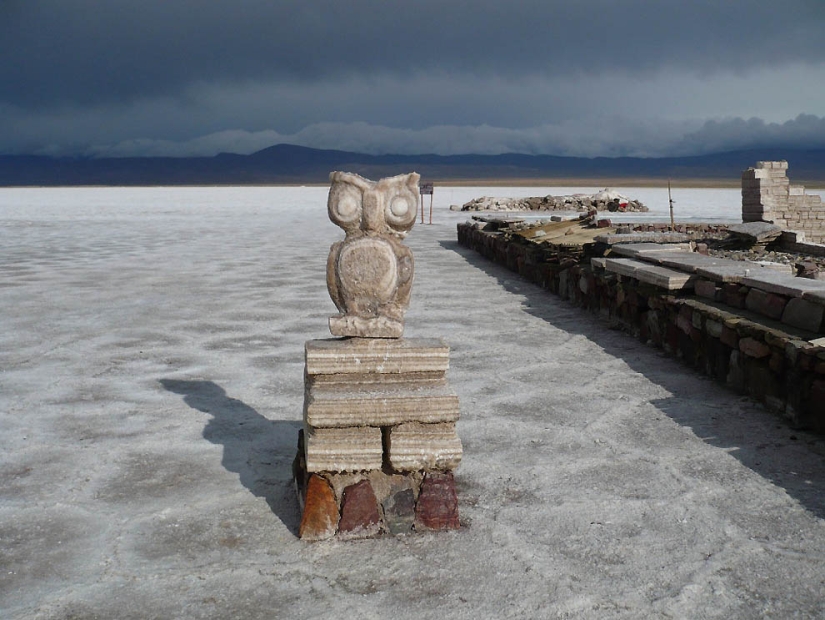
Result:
[[779, 368]]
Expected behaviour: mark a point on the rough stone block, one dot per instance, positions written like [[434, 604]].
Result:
[[804, 315], [414, 446], [359, 512], [713, 328], [734, 295], [437, 505], [706, 289], [320, 518], [766, 304], [376, 355], [343, 449], [399, 511]]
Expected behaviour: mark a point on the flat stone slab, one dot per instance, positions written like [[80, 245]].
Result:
[[781, 284], [414, 446], [643, 237], [343, 449], [661, 277], [376, 355], [326, 407], [756, 232], [634, 250]]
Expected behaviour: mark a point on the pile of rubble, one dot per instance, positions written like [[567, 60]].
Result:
[[605, 200]]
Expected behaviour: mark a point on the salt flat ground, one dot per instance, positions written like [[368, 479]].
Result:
[[151, 383]]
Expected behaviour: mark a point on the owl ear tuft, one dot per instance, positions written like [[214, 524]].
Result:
[[412, 180]]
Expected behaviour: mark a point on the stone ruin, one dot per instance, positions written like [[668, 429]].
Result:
[[768, 196], [379, 443]]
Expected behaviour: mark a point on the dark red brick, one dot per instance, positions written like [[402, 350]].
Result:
[[359, 512], [437, 506]]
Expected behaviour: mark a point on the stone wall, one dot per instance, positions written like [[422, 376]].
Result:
[[768, 196], [784, 372]]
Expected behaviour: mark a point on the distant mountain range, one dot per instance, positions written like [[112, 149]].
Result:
[[289, 164]]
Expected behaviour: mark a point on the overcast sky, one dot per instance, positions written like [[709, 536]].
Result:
[[583, 77]]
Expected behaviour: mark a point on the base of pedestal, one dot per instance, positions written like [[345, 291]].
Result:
[[373, 503]]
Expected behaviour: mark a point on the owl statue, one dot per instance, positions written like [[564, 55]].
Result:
[[370, 272]]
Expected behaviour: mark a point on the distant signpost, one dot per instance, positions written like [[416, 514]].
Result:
[[426, 188]]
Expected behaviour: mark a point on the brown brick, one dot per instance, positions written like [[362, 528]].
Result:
[[320, 518], [359, 512], [437, 506]]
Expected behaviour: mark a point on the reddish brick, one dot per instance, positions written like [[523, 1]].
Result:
[[359, 512], [734, 295], [437, 506], [706, 289], [320, 518], [753, 348]]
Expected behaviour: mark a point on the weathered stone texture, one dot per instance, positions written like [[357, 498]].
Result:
[[379, 407], [383, 356]]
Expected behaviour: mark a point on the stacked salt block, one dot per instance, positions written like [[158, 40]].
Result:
[[379, 430], [379, 442], [768, 196]]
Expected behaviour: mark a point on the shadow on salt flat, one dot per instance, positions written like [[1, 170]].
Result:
[[259, 450]]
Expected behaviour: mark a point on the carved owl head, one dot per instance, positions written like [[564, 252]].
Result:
[[387, 206]]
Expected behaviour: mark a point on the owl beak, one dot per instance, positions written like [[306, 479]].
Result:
[[371, 216]]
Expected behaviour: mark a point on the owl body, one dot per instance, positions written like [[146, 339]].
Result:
[[370, 273]]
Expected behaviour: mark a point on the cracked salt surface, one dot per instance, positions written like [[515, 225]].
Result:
[[151, 388]]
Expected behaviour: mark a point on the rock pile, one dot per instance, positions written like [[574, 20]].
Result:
[[605, 200]]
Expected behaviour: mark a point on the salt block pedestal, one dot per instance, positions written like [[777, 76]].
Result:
[[379, 442]]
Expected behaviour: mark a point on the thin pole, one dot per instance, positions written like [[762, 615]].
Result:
[[670, 200], [422, 208], [431, 208]]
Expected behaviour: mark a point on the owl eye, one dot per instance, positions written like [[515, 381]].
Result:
[[344, 205], [400, 210]]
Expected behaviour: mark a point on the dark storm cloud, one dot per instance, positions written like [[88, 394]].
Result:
[[82, 52]]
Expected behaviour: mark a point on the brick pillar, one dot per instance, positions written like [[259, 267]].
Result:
[[765, 189]]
